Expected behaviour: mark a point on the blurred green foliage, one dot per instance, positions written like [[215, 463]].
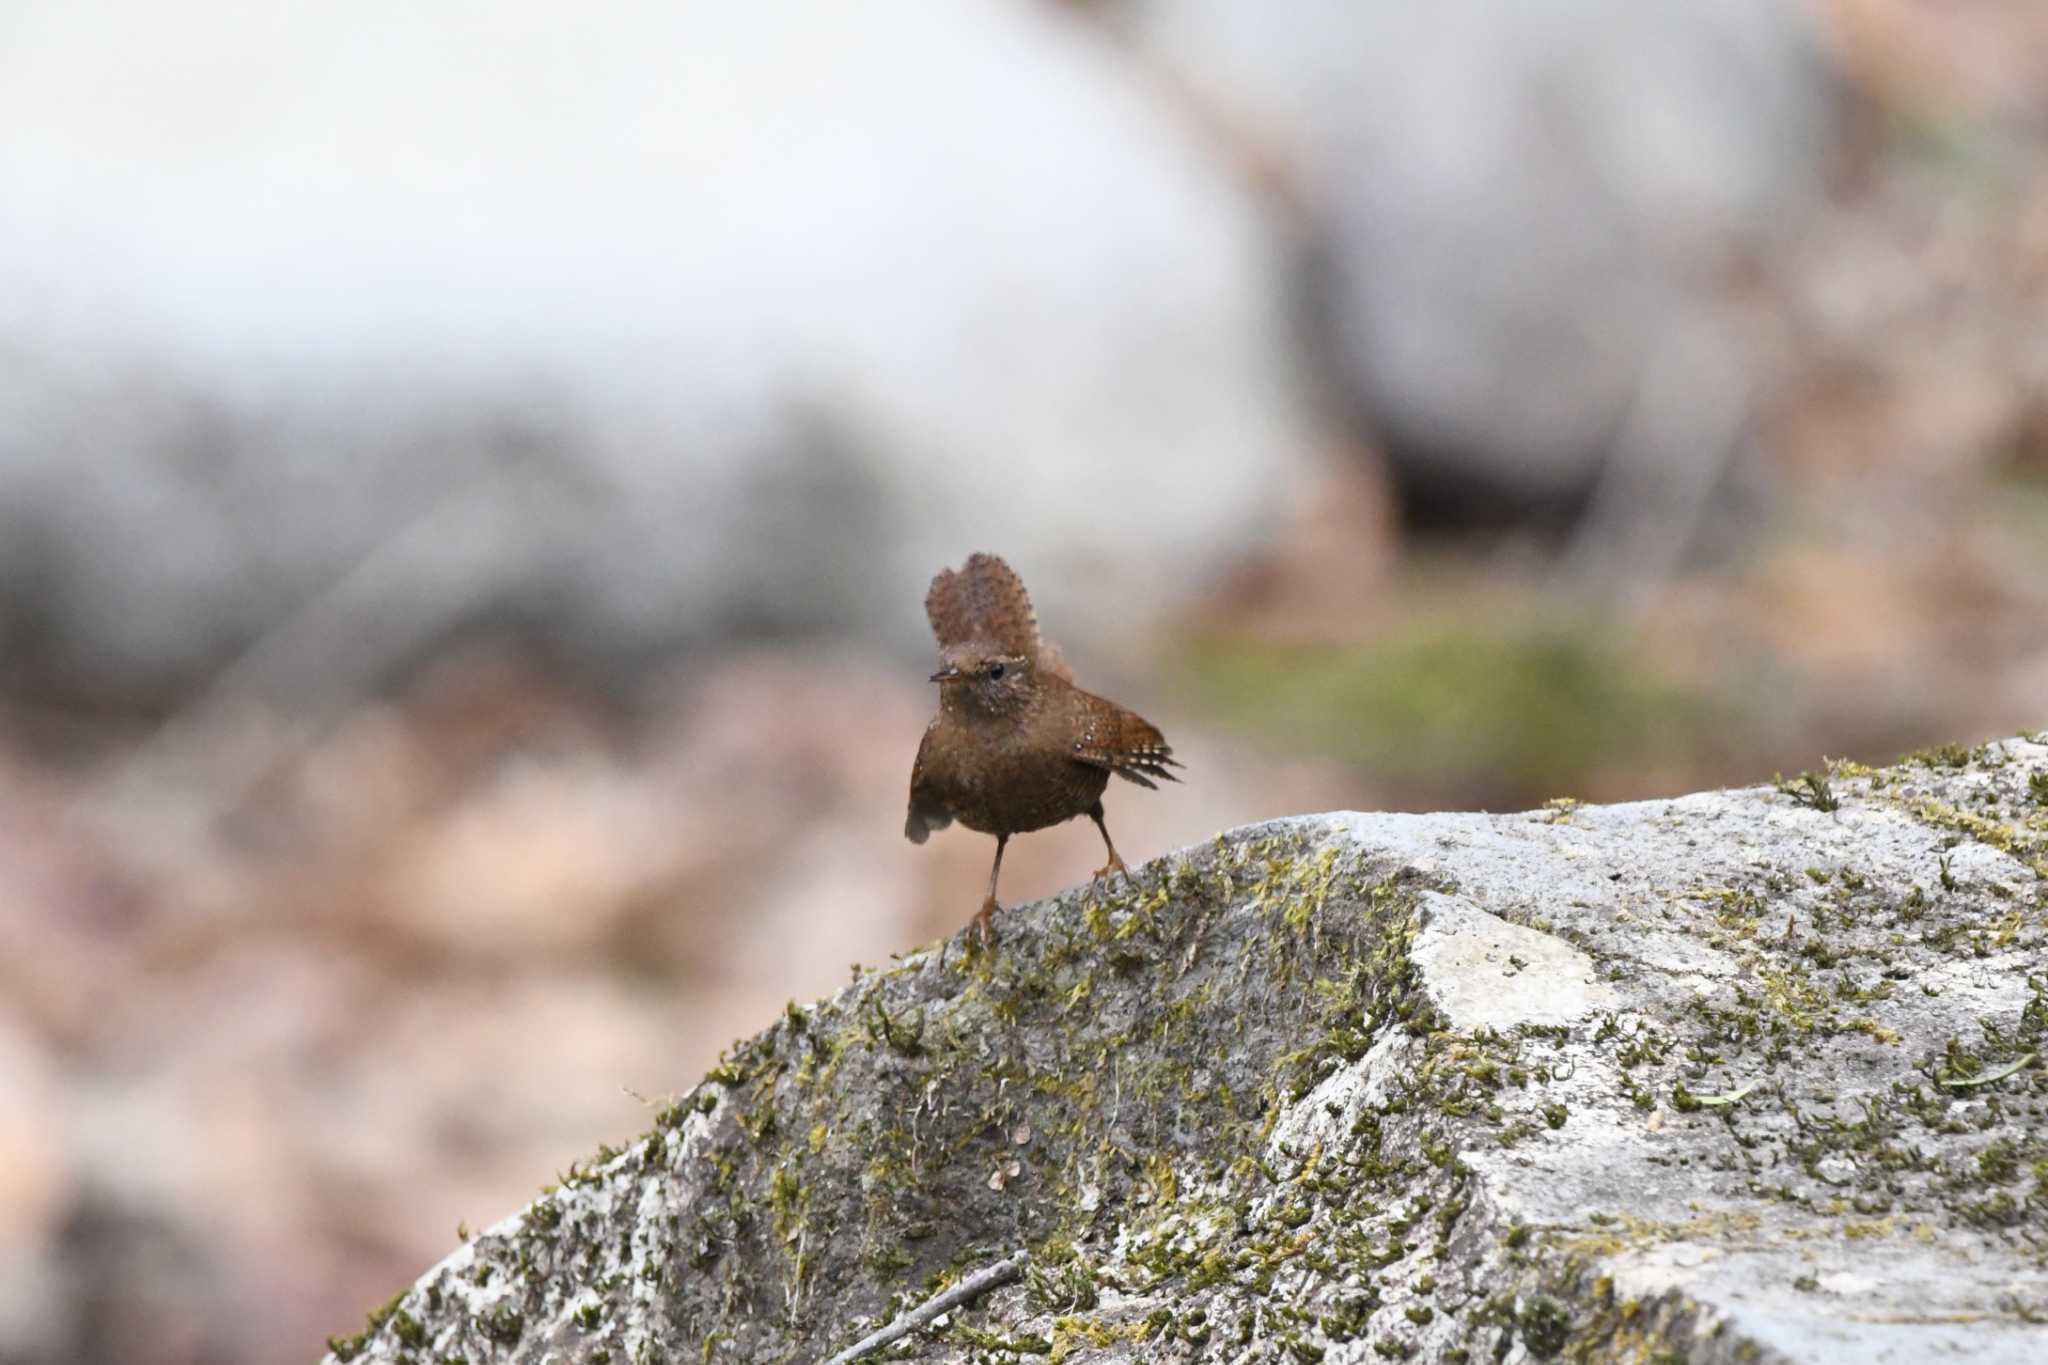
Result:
[[1518, 712]]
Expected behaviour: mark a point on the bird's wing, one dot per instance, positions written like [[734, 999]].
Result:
[[927, 811], [1124, 743]]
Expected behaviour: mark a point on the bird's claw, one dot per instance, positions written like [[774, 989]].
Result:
[[1114, 865]]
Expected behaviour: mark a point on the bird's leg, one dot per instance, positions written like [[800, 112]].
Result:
[[985, 920], [1115, 864]]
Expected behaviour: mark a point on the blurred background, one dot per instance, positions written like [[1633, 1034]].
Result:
[[469, 475]]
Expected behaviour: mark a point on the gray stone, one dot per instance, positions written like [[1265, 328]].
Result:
[[1481, 971], [1745, 1075]]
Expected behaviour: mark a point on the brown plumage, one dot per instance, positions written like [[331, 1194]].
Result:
[[1016, 746]]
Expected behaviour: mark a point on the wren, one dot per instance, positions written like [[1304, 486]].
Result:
[[1016, 746]]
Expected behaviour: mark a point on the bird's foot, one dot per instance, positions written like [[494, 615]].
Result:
[[982, 926], [1114, 865]]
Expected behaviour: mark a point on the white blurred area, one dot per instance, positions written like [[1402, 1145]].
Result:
[[469, 473], [639, 323], [666, 322]]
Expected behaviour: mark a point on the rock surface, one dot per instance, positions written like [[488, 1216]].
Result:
[[1748, 1075]]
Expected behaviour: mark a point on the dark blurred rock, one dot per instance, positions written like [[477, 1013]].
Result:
[[1510, 209], [126, 1278]]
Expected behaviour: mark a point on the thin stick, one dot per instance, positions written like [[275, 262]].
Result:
[[973, 1287]]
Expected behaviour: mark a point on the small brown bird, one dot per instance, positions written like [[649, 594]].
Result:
[[1016, 746]]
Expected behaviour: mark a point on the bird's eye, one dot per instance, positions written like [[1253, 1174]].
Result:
[[995, 670]]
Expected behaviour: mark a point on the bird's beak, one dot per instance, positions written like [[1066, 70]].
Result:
[[946, 674]]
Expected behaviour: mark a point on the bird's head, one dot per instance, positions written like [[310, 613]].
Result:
[[985, 678]]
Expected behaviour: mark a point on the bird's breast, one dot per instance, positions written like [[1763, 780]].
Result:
[[1009, 780]]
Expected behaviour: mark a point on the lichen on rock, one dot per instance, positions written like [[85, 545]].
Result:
[[1743, 1075]]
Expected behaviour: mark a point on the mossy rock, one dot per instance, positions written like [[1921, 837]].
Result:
[[1738, 1076]]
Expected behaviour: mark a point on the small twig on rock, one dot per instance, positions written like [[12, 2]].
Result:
[[973, 1287], [1187, 961]]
